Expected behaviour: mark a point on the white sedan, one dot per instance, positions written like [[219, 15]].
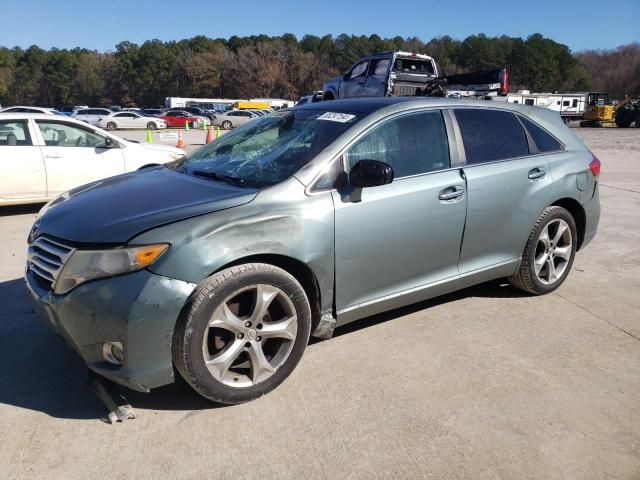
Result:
[[43, 156], [131, 120]]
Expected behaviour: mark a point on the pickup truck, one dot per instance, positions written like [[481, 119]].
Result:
[[402, 74], [383, 74]]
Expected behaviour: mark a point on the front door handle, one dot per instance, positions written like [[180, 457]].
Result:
[[537, 173], [53, 156], [450, 193]]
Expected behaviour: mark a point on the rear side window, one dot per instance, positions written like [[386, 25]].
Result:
[[412, 144], [490, 135], [543, 140], [14, 133]]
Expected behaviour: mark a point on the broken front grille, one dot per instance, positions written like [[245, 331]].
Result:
[[46, 258]]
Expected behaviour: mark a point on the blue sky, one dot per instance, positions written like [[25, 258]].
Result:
[[101, 25]]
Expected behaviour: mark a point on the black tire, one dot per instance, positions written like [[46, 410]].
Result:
[[111, 126], [187, 346], [227, 125], [152, 126], [525, 278]]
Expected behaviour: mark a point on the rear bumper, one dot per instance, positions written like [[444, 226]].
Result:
[[138, 310]]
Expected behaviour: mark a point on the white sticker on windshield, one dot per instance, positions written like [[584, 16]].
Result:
[[336, 117]]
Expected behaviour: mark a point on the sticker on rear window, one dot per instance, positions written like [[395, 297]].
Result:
[[336, 117]]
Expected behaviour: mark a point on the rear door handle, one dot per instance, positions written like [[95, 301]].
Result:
[[53, 156], [450, 193], [537, 173]]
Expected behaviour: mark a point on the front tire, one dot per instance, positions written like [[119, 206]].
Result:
[[152, 126], [548, 254], [111, 126], [242, 332], [227, 125]]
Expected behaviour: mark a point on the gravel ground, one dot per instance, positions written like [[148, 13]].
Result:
[[483, 383]]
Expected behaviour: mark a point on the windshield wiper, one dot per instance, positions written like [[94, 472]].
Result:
[[236, 182]]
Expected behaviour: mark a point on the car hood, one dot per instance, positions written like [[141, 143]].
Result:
[[116, 209]]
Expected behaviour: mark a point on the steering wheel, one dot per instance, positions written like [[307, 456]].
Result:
[[79, 142]]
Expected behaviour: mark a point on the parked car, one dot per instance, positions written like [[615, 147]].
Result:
[[91, 115], [179, 118], [224, 262], [234, 118], [70, 109], [152, 112], [195, 111], [42, 156], [48, 111], [131, 120]]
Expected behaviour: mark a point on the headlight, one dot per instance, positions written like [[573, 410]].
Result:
[[85, 265]]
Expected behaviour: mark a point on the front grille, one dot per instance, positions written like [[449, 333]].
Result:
[[46, 258]]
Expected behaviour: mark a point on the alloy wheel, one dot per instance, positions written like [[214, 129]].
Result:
[[553, 251], [250, 335]]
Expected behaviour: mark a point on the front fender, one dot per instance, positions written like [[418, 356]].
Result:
[[280, 221]]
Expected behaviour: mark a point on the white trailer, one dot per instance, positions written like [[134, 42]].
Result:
[[569, 105]]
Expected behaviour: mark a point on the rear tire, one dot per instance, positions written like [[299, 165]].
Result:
[[549, 253], [242, 332]]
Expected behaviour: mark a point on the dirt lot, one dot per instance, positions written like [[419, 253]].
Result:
[[484, 383]]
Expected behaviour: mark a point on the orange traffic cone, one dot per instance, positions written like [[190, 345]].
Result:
[[180, 143], [209, 135]]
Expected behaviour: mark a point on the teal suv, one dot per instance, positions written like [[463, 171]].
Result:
[[219, 266]]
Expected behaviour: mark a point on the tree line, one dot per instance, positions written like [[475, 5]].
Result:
[[285, 67]]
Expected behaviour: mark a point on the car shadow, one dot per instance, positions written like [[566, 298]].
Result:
[[42, 374]]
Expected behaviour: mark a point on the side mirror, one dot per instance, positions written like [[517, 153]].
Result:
[[370, 173], [110, 143]]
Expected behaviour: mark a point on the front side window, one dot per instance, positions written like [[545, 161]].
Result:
[[269, 149], [359, 69], [411, 144], [65, 135], [490, 135], [14, 133]]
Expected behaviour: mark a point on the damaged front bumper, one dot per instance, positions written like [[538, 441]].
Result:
[[138, 310]]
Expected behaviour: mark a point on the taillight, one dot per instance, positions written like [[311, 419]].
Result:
[[594, 166], [504, 82]]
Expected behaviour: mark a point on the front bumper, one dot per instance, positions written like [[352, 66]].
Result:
[[138, 310]]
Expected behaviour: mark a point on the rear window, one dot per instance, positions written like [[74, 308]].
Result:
[[543, 140], [490, 135], [413, 65]]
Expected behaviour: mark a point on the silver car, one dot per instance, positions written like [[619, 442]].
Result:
[[303, 221], [234, 118]]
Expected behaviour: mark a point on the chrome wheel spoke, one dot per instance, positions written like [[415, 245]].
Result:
[[562, 228], [224, 318], [544, 237], [551, 271], [286, 329], [265, 294], [540, 262], [260, 366], [563, 252], [219, 365]]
